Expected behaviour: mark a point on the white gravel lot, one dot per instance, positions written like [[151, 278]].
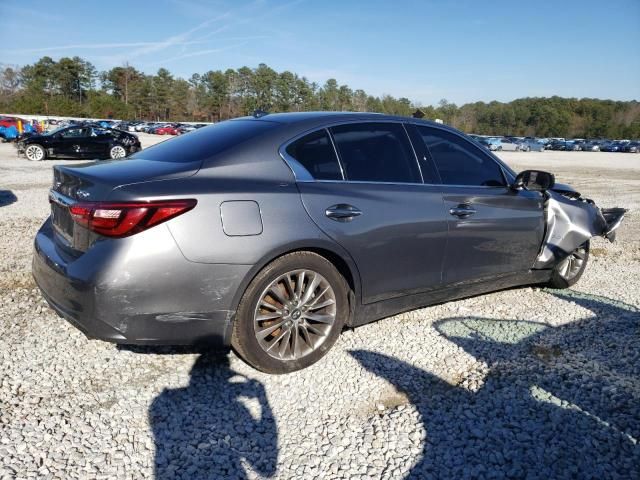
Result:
[[524, 383]]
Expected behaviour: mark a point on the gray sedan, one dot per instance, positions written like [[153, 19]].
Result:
[[272, 233]]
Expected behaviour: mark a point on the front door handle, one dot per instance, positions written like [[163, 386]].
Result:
[[462, 211], [342, 212]]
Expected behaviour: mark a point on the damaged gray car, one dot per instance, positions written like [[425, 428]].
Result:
[[272, 233]]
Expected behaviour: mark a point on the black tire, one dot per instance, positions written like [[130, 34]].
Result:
[[243, 337], [560, 280]]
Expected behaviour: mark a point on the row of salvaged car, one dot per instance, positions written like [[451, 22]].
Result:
[[528, 144], [157, 128], [161, 128]]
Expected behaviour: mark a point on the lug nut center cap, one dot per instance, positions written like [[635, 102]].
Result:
[[296, 314]]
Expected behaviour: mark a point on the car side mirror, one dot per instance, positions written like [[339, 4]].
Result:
[[534, 180]]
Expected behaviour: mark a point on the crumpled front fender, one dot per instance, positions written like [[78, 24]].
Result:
[[572, 220]]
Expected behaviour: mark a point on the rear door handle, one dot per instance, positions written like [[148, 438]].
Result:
[[462, 211], [342, 212]]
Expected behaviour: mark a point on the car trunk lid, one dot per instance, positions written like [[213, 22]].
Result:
[[95, 182]]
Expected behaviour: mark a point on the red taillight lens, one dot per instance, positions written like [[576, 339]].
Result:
[[124, 219]]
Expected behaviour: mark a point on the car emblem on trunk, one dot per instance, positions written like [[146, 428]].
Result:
[[82, 194]]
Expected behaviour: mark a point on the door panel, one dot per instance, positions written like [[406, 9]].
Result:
[[502, 235], [397, 239]]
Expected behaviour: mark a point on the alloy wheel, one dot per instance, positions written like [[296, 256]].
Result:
[[118, 152], [34, 153], [570, 266], [295, 314]]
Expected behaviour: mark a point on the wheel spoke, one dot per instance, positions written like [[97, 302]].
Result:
[[274, 291], [311, 287], [305, 335], [318, 297], [270, 306], [316, 317], [295, 342], [268, 316], [285, 346], [289, 285], [313, 328], [299, 284], [262, 334], [278, 339], [318, 306]]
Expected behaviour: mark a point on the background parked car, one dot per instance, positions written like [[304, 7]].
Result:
[[79, 142], [530, 145], [592, 146], [631, 147], [167, 129]]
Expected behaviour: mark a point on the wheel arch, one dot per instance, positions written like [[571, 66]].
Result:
[[339, 258]]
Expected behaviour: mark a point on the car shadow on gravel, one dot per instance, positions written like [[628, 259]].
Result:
[[7, 197], [558, 402], [219, 426]]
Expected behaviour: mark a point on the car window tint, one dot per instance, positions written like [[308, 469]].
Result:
[[376, 152], [458, 161], [73, 133], [203, 144], [316, 154]]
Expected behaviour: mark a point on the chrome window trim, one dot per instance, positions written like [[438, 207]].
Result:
[[302, 175], [335, 151], [472, 143]]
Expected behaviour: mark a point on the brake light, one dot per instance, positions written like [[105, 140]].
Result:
[[127, 218]]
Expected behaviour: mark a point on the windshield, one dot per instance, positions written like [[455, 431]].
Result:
[[55, 130]]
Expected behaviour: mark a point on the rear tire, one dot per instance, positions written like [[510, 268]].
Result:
[[568, 271], [290, 333], [117, 151]]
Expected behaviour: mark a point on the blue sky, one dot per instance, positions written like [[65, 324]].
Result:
[[461, 50]]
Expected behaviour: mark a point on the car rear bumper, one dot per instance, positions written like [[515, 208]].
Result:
[[151, 301]]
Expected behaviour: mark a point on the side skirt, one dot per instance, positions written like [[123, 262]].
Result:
[[386, 308]]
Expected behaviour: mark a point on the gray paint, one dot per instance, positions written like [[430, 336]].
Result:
[[181, 282], [240, 218]]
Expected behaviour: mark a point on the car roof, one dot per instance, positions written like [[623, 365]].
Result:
[[311, 119]]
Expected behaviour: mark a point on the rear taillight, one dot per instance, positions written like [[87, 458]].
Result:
[[127, 218]]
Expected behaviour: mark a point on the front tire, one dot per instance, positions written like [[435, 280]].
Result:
[[568, 271], [291, 313], [35, 153]]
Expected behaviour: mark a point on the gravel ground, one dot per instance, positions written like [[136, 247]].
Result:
[[521, 383]]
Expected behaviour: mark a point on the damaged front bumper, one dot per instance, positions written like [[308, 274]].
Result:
[[571, 220]]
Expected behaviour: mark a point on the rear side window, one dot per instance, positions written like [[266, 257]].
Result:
[[315, 153], [376, 152], [460, 162], [206, 142]]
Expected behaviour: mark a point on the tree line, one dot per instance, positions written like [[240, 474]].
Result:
[[74, 87]]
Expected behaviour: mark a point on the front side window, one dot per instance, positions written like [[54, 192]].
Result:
[[459, 162], [73, 133], [315, 153], [376, 152]]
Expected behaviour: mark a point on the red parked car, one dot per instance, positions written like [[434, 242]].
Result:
[[167, 130]]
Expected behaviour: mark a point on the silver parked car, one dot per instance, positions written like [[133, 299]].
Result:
[[273, 233]]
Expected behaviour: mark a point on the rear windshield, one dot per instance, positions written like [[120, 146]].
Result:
[[204, 143]]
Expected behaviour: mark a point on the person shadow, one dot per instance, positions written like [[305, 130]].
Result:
[[557, 403], [219, 426], [7, 197]]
